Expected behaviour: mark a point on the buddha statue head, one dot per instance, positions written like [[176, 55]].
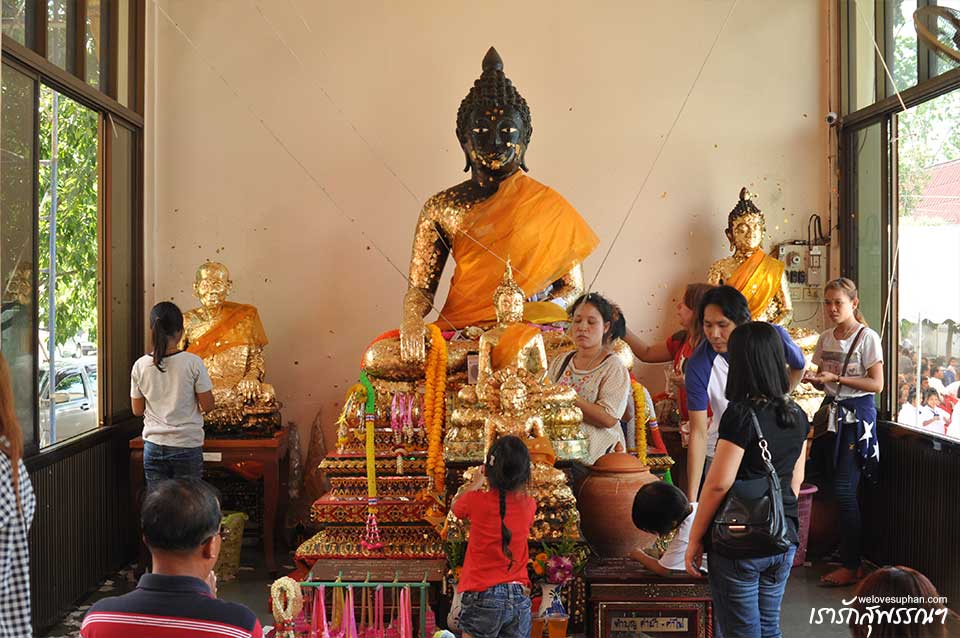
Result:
[[212, 285], [493, 124], [508, 298], [745, 225], [513, 395]]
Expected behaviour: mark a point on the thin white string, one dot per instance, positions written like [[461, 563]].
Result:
[[292, 156], [663, 145], [903, 108], [366, 142]]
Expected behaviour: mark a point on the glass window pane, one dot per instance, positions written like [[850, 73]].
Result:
[[15, 19], [902, 44], [928, 177], [93, 43], [122, 52], [57, 29], [122, 297], [17, 311], [68, 262], [861, 77], [867, 211]]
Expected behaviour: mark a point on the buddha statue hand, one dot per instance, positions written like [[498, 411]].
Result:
[[413, 332], [249, 390]]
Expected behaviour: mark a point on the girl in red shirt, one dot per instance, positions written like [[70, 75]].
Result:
[[494, 581]]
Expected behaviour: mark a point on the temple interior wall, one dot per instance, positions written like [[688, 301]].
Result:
[[295, 141]]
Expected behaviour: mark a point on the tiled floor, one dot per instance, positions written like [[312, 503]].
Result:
[[252, 589]]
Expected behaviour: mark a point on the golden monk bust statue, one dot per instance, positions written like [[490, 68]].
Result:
[[758, 276], [498, 212], [512, 410], [229, 337]]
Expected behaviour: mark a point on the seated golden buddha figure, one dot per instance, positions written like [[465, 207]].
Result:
[[510, 341], [229, 337], [758, 276], [498, 212], [512, 355]]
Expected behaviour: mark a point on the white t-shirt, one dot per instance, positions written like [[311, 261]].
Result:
[[925, 413], [954, 428], [908, 414], [172, 416], [674, 557], [831, 353]]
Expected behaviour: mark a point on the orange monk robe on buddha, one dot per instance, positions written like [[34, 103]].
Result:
[[534, 226], [759, 279]]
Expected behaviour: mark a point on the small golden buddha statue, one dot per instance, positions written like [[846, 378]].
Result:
[[511, 342], [758, 276], [498, 212], [229, 337], [517, 414]]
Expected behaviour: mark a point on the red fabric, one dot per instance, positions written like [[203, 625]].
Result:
[[681, 351], [485, 564]]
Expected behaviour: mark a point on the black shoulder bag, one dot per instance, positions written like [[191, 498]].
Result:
[[751, 523]]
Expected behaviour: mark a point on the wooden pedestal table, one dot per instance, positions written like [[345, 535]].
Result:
[[270, 452], [627, 601]]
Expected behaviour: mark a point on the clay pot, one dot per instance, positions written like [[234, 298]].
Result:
[[605, 501]]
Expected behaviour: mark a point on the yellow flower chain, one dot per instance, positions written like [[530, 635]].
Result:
[[640, 403], [433, 405]]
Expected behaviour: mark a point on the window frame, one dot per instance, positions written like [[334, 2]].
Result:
[[884, 112], [31, 60]]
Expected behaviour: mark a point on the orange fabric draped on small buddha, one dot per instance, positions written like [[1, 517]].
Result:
[[758, 278], [239, 325], [511, 343], [533, 225]]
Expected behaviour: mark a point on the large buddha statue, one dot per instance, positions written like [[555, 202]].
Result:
[[757, 275], [498, 213], [229, 337]]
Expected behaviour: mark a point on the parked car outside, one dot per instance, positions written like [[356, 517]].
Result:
[[75, 398]]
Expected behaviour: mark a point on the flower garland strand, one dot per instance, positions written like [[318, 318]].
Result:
[[287, 602], [433, 406], [640, 403], [371, 537]]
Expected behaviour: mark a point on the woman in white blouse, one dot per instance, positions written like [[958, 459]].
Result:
[[600, 378]]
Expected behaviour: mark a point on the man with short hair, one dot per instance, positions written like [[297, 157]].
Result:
[[180, 520]]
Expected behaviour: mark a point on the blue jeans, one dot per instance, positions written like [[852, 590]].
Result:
[[747, 593], [162, 462], [846, 482], [503, 610]]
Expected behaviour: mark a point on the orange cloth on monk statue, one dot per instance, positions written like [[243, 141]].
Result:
[[239, 325], [513, 339], [533, 225], [758, 278]]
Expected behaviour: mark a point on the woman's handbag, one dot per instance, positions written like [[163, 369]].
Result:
[[751, 523], [825, 418]]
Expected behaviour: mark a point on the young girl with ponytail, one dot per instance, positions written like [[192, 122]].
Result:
[[850, 360], [169, 388], [494, 581]]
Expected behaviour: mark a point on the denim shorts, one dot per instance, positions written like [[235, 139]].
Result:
[[502, 610], [162, 462]]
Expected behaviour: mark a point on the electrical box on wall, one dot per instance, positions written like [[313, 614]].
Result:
[[805, 267]]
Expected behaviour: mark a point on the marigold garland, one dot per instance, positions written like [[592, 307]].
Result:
[[640, 403], [371, 538], [434, 409]]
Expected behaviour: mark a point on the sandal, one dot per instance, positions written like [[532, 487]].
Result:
[[833, 579]]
